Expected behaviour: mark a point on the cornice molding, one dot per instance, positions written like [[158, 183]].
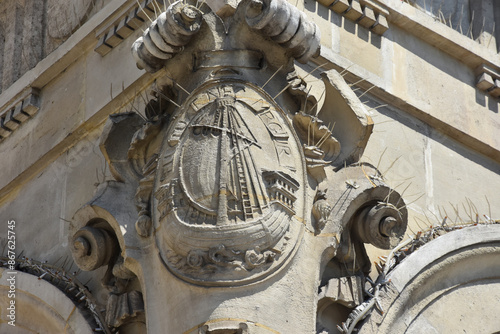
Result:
[[432, 31], [366, 13], [61, 58]]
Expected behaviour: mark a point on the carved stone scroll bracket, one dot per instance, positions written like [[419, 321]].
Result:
[[358, 208], [113, 203], [93, 247], [353, 125], [276, 20], [166, 36], [112, 212], [381, 225], [338, 133], [380, 220], [286, 25], [100, 236], [106, 230], [353, 206]]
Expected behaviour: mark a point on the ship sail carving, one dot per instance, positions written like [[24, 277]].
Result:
[[225, 193], [237, 192]]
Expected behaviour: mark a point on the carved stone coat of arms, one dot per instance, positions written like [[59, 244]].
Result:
[[238, 180], [228, 187]]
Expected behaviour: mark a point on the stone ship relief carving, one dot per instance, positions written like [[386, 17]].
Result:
[[227, 185], [236, 167]]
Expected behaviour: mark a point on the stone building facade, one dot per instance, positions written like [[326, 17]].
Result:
[[254, 166]]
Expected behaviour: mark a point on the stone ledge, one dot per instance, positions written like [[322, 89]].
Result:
[[62, 57], [488, 80], [119, 30], [356, 72], [437, 34], [366, 13]]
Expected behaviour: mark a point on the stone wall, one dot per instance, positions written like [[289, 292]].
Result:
[[435, 136], [474, 19], [32, 29]]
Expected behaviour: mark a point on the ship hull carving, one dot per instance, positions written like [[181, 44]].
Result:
[[228, 196]]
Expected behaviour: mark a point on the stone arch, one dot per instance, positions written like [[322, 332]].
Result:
[[39, 307], [434, 290]]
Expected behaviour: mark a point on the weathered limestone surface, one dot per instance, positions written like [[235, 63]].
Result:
[[435, 294], [66, 178], [39, 305], [399, 64], [31, 29], [224, 179]]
